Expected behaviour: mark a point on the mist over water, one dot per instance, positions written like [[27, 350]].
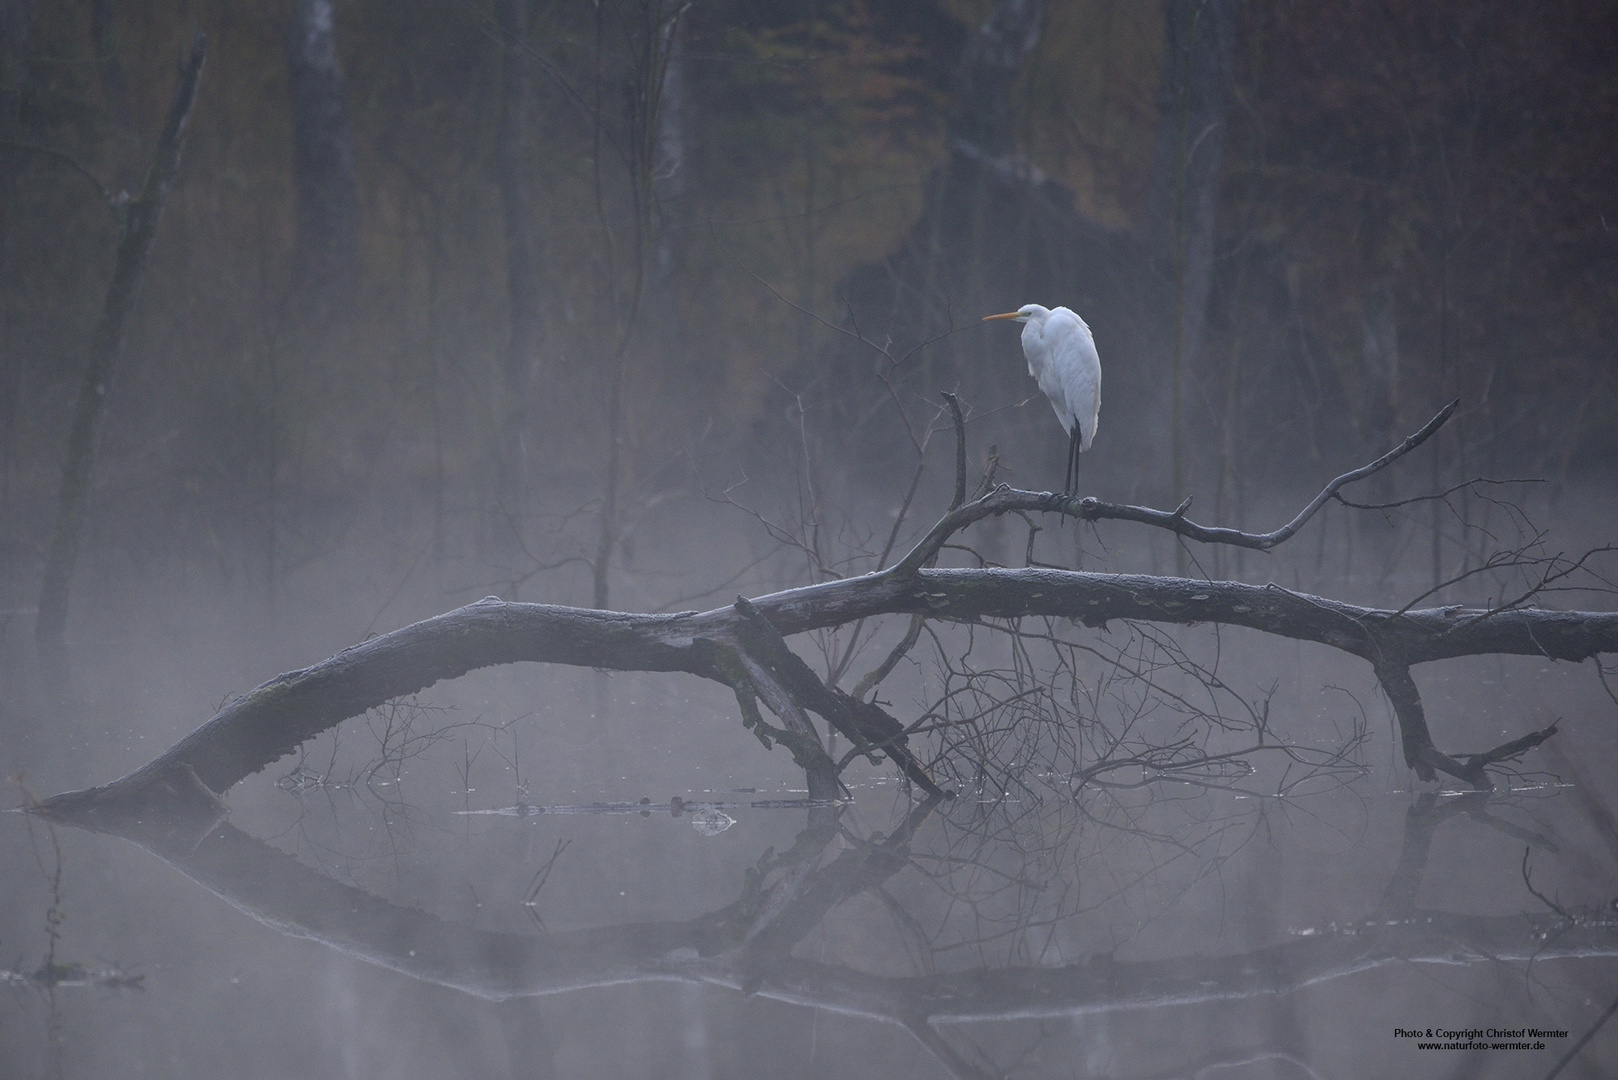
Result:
[[653, 313], [561, 806]]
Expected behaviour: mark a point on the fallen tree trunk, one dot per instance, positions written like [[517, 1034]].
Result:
[[742, 645], [172, 804], [264, 724]]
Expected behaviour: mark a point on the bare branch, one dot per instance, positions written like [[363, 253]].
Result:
[[71, 162], [885, 668], [1006, 499], [960, 451]]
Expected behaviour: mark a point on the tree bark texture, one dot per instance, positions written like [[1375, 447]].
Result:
[[78, 460]]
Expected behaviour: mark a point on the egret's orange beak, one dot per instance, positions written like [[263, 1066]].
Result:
[[1007, 315]]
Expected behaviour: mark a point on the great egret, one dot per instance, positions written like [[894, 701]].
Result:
[[1062, 358]]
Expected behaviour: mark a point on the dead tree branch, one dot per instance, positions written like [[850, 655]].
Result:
[[891, 661], [1003, 500], [864, 724]]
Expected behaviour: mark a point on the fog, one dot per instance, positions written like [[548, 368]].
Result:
[[521, 558]]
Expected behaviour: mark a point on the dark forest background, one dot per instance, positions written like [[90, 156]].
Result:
[[502, 276]]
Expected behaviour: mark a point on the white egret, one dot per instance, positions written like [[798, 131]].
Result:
[[1062, 358]]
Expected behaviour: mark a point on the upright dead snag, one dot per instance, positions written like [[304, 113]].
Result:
[[140, 225]]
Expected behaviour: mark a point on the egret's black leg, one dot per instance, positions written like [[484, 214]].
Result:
[[1067, 477], [1070, 487]]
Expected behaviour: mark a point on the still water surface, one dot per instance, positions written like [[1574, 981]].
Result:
[[535, 872]]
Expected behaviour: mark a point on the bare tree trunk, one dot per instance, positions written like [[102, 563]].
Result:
[[668, 156], [140, 225], [1381, 352], [328, 195], [646, 143], [607, 538], [1183, 199], [522, 265], [15, 16], [16, 23], [994, 58]]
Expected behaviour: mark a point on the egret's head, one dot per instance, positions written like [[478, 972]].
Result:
[[1022, 314]]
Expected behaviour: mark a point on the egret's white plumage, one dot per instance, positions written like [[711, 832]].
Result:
[[1062, 359]]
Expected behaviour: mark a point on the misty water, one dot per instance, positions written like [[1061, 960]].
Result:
[[369, 311], [536, 871]]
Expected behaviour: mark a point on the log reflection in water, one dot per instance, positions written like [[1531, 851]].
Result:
[[747, 945]]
